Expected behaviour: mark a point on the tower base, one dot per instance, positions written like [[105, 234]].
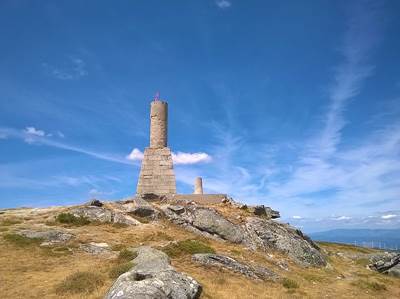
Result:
[[157, 172]]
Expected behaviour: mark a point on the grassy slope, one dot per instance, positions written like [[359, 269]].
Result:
[[33, 272]]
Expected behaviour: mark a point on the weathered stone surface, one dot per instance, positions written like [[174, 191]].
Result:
[[156, 174], [231, 264], [256, 233], [93, 213], [387, 262], [124, 219], [268, 234], [145, 212], [394, 271], [204, 220], [104, 215], [96, 248], [95, 203], [153, 277], [265, 212], [51, 236]]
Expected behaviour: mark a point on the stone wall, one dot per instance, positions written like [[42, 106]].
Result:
[[157, 172]]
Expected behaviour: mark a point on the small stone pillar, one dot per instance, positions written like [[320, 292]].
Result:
[[158, 124], [198, 185]]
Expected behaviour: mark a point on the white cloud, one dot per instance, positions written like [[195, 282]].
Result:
[[389, 216], [342, 218], [297, 217], [135, 155], [223, 4], [34, 131], [60, 134], [190, 158], [178, 158], [3, 136]]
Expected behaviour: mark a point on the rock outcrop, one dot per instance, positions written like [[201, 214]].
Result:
[[104, 215], [387, 263], [256, 233], [226, 262], [52, 236], [153, 277], [205, 221], [268, 234]]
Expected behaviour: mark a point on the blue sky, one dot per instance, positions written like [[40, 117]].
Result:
[[291, 104]]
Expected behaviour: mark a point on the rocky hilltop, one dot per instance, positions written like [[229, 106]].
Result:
[[165, 248]]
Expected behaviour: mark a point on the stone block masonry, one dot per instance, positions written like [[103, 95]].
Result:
[[157, 172]]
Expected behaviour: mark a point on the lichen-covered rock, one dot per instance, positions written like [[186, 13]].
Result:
[[265, 212], [387, 263], [97, 249], [95, 203], [50, 236], [205, 220], [222, 261], [153, 277], [124, 219], [93, 213], [104, 215], [394, 271], [257, 233], [268, 234]]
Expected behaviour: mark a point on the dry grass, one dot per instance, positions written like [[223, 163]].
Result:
[[34, 272]]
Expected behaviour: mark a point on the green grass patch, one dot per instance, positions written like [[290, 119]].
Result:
[[187, 247], [289, 283], [22, 241], [126, 255], [70, 219], [369, 285], [119, 269], [10, 221], [80, 282]]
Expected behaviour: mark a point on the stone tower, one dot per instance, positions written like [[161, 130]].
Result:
[[157, 172], [198, 186]]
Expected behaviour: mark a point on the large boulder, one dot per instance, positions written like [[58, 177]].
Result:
[[103, 215], [221, 261], [51, 236], [265, 212], [386, 262], [268, 234], [93, 213], [205, 220], [257, 233], [153, 277]]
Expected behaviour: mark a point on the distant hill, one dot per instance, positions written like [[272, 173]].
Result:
[[378, 238]]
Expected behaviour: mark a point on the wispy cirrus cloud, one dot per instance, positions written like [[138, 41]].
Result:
[[73, 68], [39, 137]]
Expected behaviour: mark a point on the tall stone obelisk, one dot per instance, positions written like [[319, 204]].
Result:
[[157, 172]]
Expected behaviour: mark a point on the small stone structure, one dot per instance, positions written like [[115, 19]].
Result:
[[198, 186], [157, 172]]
